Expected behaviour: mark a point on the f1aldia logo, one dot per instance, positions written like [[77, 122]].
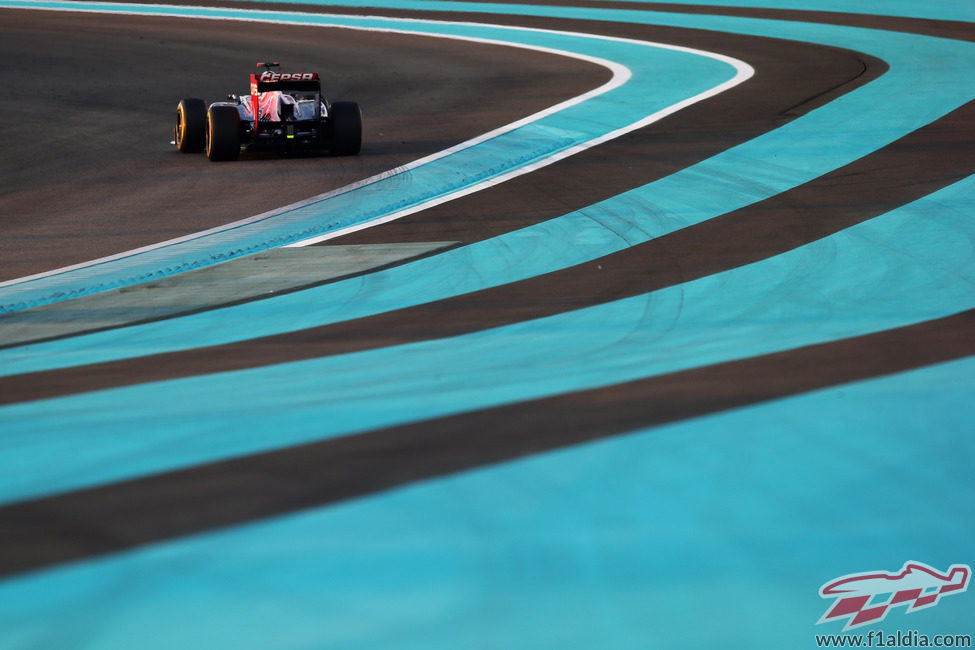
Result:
[[865, 598]]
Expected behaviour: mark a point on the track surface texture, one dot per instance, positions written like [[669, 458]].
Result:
[[571, 402]]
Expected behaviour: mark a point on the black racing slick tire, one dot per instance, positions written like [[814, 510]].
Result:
[[190, 131], [223, 133], [346, 129]]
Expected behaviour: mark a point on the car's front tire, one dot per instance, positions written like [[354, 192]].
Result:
[[190, 131], [345, 129], [222, 133]]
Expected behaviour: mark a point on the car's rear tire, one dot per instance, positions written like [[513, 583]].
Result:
[[190, 131], [223, 133], [346, 129]]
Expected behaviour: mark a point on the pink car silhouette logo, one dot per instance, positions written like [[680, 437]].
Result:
[[865, 598]]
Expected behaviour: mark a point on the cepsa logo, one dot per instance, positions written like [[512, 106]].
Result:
[[864, 598], [288, 76]]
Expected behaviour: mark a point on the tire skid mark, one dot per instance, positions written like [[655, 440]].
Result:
[[780, 223]]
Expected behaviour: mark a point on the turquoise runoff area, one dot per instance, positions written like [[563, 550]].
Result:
[[910, 265], [714, 532], [928, 78], [706, 533]]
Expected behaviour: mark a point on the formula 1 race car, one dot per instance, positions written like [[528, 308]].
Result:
[[284, 112]]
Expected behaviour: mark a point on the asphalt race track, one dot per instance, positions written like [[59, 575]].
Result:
[[631, 326]]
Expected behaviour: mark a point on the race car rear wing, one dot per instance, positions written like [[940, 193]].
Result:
[[297, 81]]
